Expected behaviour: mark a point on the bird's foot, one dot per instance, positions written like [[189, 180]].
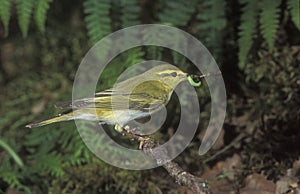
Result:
[[142, 141], [118, 128], [141, 138]]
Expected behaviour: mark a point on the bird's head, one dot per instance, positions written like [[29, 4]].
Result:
[[167, 74]]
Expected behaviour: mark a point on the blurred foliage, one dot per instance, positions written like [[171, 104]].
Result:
[[212, 22], [259, 54], [270, 14], [98, 22], [275, 108], [25, 9]]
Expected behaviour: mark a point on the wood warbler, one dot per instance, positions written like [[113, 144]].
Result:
[[131, 99]]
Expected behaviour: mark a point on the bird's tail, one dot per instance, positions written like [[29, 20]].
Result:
[[64, 117]]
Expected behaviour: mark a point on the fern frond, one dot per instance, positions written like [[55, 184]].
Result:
[[177, 12], [24, 9], [5, 14], [40, 14], [72, 143], [212, 22], [51, 163], [134, 56], [130, 13], [130, 16], [269, 21], [247, 29], [12, 179], [97, 18], [212, 15], [11, 175], [294, 7]]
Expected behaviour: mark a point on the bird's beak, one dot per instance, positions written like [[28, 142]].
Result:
[[185, 75]]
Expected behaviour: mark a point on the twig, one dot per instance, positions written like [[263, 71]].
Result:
[[150, 148]]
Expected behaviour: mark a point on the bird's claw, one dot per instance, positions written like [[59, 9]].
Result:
[[130, 132], [142, 140]]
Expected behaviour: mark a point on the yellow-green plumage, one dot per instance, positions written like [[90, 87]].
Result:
[[133, 98]]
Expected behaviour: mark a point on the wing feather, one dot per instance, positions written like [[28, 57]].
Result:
[[147, 98]]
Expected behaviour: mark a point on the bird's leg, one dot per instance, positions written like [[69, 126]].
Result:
[[130, 132], [138, 137], [142, 140], [123, 130]]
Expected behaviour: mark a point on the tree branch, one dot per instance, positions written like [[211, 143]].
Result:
[[148, 145]]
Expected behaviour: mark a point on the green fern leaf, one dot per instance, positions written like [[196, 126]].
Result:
[[24, 9], [294, 6], [5, 14], [177, 12], [212, 22], [130, 12], [97, 18], [40, 14], [247, 29], [12, 178], [269, 21], [133, 56], [212, 15], [130, 16]]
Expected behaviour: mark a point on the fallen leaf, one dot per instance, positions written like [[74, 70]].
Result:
[[258, 184]]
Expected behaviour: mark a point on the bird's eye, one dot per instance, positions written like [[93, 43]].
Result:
[[174, 74]]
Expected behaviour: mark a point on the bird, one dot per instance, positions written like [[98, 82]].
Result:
[[134, 98]]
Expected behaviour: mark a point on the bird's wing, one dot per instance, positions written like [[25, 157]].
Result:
[[146, 97], [85, 102], [134, 101]]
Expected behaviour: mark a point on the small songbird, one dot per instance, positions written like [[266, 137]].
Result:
[[134, 98]]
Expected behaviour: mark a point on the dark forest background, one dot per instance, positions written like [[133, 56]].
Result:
[[255, 42]]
